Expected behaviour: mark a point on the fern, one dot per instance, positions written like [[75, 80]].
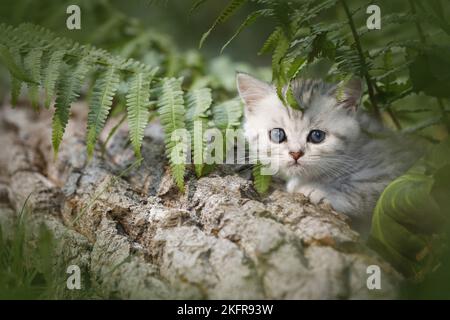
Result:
[[251, 19], [227, 12], [68, 90], [11, 63], [32, 64], [228, 114], [196, 5], [260, 181], [172, 116], [16, 84], [198, 103], [102, 99], [60, 68], [281, 48], [137, 108], [50, 75], [271, 41]]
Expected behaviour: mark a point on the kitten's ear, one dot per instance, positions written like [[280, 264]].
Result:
[[251, 90], [349, 93]]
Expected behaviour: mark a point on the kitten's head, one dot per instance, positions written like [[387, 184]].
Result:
[[310, 142]]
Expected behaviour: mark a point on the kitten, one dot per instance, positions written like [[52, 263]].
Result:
[[331, 152]]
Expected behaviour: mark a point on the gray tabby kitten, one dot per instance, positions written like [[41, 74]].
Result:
[[331, 152]]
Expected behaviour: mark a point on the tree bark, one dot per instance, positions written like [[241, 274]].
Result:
[[135, 235]]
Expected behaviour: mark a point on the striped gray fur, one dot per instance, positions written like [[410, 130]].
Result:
[[351, 167]]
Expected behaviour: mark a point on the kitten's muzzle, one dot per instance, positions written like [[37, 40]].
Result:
[[296, 155]]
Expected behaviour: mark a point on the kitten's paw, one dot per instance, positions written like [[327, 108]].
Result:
[[317, 196], [293, 185]]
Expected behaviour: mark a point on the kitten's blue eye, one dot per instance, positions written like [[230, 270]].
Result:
[[316, 136], [277, 135]]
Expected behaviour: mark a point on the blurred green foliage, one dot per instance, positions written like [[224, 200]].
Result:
[[411, 217], [31, 266]]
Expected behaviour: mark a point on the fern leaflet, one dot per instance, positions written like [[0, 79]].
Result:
[[260, 181], [102, 98], [251, 19], [32, 64], [69, 86], [10, 62], [198, 102], [228, 114], [172, 115], [227, 12], [16, 84], [50, 75], [137, 108]]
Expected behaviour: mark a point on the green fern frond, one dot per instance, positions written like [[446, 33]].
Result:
[[68, 90], [260, 181], [138, 108], [172, 116], [196, 5], [271, 42], [32, 63], [228, 114], [104, 90], [227, 12], [349, 62], [251, 19], [198, 103], [10, 62], [279, 64], [317, 9], [16, 84], [16, 88], [50, 75]]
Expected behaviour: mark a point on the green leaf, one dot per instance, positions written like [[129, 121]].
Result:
[[251, 19], [227, 12], [68, 90], [279, 68], [10, 62], [271, 41], [104, 90], [137, 108], [261, 181], [196, 5], [50, 75], [198, 103], [228, 114], [172, 116], [32, 63], [403, 221], [16, 84], [411, 214], [16, 88]]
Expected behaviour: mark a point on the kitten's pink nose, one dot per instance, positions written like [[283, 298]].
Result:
[[296, 155]]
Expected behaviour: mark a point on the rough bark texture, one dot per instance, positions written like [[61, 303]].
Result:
[[138, 237]]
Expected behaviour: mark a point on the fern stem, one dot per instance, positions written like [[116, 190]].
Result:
[[362, 58]]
